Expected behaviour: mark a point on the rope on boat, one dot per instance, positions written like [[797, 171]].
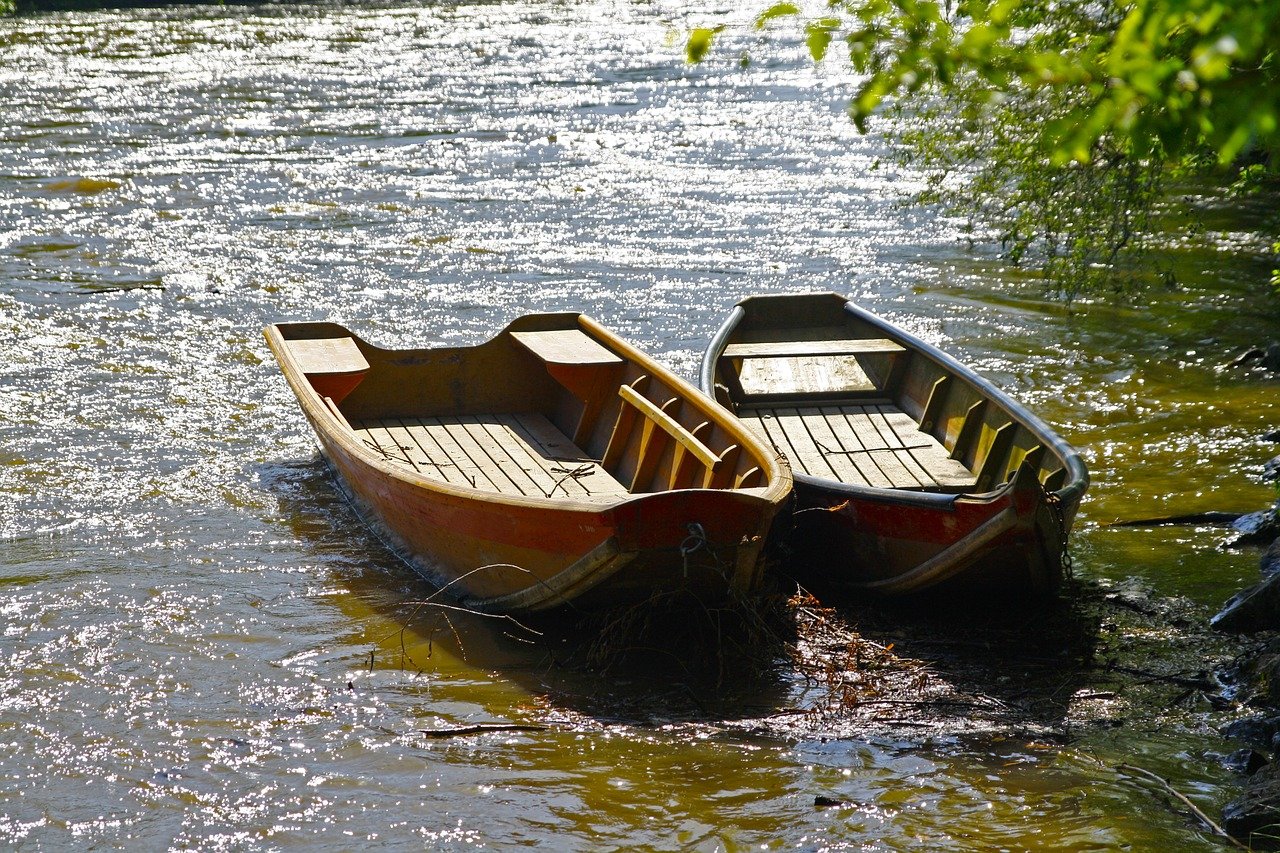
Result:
[[1054, 501], [694, 542]]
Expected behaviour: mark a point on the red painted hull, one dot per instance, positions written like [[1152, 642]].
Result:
[[889, 544], [691, 518], [515, 557]]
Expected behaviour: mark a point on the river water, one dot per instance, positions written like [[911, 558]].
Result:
[[203, 647]]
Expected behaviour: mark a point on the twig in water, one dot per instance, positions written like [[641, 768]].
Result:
[[97, 291], [1180, 797], [481, 729]]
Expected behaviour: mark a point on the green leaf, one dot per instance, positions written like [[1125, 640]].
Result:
[[777, 10], [818, 36], [699, 43]]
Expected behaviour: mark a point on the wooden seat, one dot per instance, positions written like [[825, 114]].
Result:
[[334, 366], [798, 369], [875, 445], [565, 346], [788, 349], [518, 454]]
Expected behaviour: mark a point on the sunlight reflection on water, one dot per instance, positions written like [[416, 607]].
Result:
[[189, 608]]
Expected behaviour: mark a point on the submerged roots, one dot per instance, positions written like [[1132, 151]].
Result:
[[738, 640]]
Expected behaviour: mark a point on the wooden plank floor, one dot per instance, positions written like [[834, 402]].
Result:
[[874, 445], [518, 454]]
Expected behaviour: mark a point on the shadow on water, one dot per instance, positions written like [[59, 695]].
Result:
[[786, 666]]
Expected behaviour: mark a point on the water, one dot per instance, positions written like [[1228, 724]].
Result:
[[205, 648]]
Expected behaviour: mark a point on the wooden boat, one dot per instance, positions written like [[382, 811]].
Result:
[[911, 470], [554, 464]]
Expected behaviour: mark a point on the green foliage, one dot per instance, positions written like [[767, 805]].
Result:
[[1170, 76], [699, 43], [1056, 125]]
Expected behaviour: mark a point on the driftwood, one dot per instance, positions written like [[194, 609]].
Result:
[[1182, 798], [481, 728], [1190, 518]]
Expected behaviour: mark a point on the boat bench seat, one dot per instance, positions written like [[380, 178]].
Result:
[[800, 369], [333, 366], [789, 349], [873, 444], [516, 454]]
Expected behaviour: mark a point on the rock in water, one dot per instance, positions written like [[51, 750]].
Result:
[[1249, 611], [1271, 358], [1257, 807], [1271, 469], [1257, 732], [1270, 563], [1255, 528], [1246, 761]]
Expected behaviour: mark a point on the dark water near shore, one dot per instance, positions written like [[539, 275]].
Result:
[[189, 610]]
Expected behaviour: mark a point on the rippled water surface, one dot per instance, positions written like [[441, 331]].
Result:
[[203, 646]]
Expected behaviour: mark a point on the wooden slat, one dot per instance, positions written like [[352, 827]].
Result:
[[525, 430], [833, 450], [945, 471], [757, 420], [860, 445], [893, 468], [784, 349], [499, 455], [916, 470], [869, 474], [479, 453], [435, 461], [386, 446], [811, 458], [562, 459], [905, 427], [478, 477], [521, 456], [860, 423], [514, 454]]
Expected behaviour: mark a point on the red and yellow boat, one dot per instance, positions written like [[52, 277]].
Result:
[[911, 471], [553, 465]]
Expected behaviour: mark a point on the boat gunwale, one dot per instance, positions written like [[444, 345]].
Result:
[[329, 427], [1069, 493]]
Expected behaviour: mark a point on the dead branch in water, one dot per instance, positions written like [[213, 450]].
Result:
[[1190, 518], [1182, 798], [482, 728]]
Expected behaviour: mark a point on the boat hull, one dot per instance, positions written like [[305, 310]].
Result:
[[843, 540], [974, 493], [564, 487], [510, 557]]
